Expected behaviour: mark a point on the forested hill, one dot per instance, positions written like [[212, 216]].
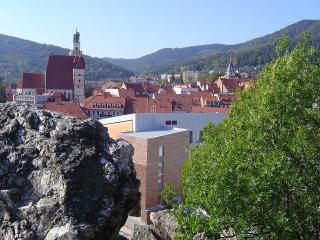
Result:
[[215, 56], [18, 55]]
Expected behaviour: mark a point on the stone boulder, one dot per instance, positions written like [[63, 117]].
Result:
[[143, 232], [62, 178], [164, 224]]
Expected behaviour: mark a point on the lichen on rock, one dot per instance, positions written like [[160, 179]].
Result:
[[61, 177]]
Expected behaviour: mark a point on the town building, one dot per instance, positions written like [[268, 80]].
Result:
[[64, 74], [139, 122], [158, 159], [161, 142], [103, 105]]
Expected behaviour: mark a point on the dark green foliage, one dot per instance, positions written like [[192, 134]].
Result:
[[18, 55], [255, 52], [2, 91], [168, 193], [209, 77], [258, 173]]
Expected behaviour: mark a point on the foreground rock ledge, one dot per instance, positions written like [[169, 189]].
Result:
[[62, 178]]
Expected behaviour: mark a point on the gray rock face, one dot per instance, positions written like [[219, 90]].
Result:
[[143, 232], [62, 178], [164, 224]]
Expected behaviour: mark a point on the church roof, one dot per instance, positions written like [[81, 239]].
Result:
[[32, 80], [59, 74]]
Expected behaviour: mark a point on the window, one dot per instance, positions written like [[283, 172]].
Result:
[[161, 151], [173, 122], [153, 109], [190, 137]]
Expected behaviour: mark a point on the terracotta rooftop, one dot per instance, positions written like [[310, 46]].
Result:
[[59, 74], [102, 101], [32, 80], [68, 108]]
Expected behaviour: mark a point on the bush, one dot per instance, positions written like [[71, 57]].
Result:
[[258, 173]]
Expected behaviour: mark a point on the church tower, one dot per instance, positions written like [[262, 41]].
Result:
[[230, 73], [78, 69], [76, 45]]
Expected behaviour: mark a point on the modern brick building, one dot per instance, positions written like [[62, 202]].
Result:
[[161, 142], [158, 158]]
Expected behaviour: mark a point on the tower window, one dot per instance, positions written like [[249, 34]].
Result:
[[161, 151]]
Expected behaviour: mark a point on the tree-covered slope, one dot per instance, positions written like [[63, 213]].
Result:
[[258, 51], [168, 57], [18, 55]]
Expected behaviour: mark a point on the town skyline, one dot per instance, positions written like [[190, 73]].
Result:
[[129, 30]]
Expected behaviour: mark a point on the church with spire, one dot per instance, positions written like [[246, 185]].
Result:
[[230, 73], [232, 81], [64, 75]]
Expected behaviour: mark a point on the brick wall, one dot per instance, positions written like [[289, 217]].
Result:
[[146, 161]]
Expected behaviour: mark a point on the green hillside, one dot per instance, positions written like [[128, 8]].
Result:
[[215, 56], [18, 55]]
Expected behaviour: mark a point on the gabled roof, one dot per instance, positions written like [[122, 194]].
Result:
[[198, 109], [162, 105], [59, 74], [90, 102], [136, 105], [32, 80], [152, 88], [68, 108], [138, 88]]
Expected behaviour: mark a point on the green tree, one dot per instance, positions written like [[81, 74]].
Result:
[[257, 174], [2, 91], [168, 193]]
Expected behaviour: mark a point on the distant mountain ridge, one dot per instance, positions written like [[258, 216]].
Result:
[[19, 55], [254, 52]]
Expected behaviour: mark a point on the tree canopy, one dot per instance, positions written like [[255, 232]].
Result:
[[257, 174], [2, 91]]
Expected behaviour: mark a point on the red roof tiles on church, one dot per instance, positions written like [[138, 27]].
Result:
[[59, 74], [33, 81]]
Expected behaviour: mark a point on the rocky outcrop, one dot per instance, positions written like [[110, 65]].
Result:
[[164, 224], [163, 227], [144, 232], [62, 178]]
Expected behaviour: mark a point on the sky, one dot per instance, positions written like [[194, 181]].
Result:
[[133, 28]]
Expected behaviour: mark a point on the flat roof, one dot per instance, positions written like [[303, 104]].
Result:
[[163, 131]]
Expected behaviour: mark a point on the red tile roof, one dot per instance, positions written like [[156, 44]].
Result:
[[59, 74], [103, 100], [138, 88], [210, 109], [152, 88], [68, 108], [32, 80], [136, 105], [162, 105]]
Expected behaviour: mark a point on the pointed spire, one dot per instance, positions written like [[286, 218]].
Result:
[[230, 70]]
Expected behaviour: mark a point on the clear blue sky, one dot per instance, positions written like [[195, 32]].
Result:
[[133, 28]]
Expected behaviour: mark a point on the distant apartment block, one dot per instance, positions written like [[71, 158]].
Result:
[[190, 76]]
